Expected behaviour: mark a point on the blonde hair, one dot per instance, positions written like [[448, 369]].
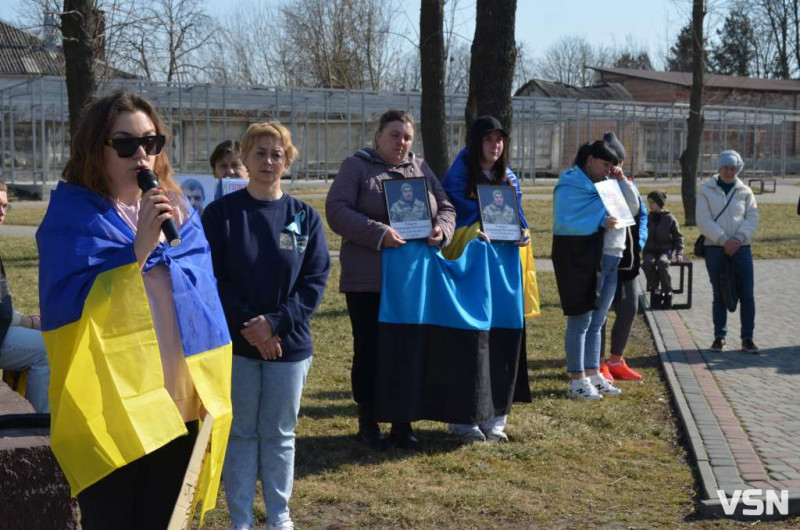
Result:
[[270, 129]]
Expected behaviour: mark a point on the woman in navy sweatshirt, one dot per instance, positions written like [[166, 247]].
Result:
[[272, 263]]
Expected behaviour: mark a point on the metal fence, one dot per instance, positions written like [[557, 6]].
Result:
[[328, 125]]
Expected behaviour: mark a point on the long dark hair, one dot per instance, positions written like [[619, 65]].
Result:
[[598, 149], [475, 173], [85, 166]]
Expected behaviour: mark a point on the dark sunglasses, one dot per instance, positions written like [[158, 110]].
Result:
[[127, 147]]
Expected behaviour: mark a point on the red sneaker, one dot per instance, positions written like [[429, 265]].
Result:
[[605, 371], [621, 371]]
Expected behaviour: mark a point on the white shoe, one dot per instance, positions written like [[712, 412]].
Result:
[[240, 527], [496, 435], [467, 433], [283, 525], [583, 389], [604, 386]]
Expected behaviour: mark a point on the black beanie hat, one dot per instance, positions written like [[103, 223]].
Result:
[[613, 142], [658, 197]]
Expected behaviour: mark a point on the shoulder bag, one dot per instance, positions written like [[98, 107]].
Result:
[[700, 244]]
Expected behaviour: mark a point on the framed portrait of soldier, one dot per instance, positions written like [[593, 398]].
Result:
[[499, 212], [407, 203]]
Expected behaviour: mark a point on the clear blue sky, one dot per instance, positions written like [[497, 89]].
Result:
[[649, 23]]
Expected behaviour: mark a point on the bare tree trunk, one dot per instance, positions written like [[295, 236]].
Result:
[[432, 70], [796, 17], [691, 154], [494, 56], [79, 26]]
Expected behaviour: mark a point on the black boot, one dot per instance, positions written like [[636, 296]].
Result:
[[655, 300], [368, 431], [402, 437], [666, 301]]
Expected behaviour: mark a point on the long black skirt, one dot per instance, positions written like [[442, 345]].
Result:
[[451, 375]]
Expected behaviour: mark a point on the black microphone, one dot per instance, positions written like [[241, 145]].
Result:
[[148, 180]]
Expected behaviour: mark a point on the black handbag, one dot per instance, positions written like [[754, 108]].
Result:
[[727, 280], [700, 246], [700, 243]]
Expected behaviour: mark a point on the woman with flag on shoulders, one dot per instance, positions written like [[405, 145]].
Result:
[[134, 328], [588, 245], [485, 161]]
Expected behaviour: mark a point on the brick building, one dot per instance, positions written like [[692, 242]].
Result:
[[723, 90]]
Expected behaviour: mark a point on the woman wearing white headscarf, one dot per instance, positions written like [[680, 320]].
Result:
[[727, 215]]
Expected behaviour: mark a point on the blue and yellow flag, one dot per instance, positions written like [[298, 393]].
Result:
[[451, 339], [107, 396]]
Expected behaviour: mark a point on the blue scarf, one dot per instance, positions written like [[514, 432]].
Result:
[[577, 207]]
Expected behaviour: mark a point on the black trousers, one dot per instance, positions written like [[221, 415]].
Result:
[[142, 494], [363, 309]]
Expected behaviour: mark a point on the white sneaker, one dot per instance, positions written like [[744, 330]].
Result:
[[496, 435], [283, 525], [243, 526], [583, 389], [467, 433], [604, 386]]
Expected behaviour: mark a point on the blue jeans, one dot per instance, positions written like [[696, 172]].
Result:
[[582, 338], [266, 400], [23, 349], [743, 263]]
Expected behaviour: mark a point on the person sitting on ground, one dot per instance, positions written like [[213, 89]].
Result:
[[21, 344], [227, 162], [727, 215], [664, 243]]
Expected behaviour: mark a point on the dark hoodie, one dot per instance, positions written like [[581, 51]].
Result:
[[663, 234]]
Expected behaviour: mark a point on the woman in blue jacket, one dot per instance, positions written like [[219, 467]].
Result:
[[485, 161]]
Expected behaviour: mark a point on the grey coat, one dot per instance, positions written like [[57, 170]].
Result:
[[356, 210]]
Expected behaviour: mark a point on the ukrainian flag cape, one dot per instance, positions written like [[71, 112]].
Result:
[[468, 224], [578, 209], [107, 396]]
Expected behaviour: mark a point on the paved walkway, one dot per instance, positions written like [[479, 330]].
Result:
[[740, 412]]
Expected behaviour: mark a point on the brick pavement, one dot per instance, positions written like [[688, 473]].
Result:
[[741, 412]]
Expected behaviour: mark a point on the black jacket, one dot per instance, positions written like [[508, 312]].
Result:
[[577, 261]]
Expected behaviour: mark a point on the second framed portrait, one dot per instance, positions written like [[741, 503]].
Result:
[[407, 203], [499, 212]]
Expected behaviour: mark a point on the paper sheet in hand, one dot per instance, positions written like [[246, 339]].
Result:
[[615, 202]]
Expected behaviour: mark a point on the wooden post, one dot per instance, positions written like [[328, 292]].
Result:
[[183, 513]]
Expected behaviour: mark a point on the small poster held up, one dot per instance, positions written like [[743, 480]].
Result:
[[615, 203], [499, 213], [199, 189], [407, 204]]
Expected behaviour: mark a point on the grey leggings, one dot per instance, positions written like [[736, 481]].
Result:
[[626, 305]]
